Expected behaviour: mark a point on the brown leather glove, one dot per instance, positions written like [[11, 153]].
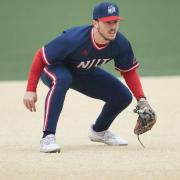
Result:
[[146, 118]]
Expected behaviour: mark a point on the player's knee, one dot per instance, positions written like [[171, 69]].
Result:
[[128, 99], [64, 81], [124, 100]]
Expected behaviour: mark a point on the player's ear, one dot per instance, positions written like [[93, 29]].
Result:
[[94, 23]]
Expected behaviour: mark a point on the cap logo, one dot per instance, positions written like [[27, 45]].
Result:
[[111, 9]]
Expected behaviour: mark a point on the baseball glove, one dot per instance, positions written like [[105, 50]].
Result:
[[146, 118]]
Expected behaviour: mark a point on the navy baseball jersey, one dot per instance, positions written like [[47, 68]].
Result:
[[77, 49]]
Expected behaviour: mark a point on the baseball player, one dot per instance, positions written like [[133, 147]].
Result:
[[72, 60]]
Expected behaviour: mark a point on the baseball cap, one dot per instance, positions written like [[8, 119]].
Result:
[[106, 11]]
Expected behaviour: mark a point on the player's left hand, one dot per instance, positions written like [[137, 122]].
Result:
[[146, 118]]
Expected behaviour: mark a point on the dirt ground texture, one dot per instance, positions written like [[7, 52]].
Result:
[[80, 158]]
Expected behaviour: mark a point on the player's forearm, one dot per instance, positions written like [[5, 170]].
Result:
[[36, 69], [133, 81]]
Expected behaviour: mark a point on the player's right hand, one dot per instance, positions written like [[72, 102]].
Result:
[[29, 100]]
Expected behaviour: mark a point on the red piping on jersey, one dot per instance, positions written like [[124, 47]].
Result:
[[96, 45], [124, 71], [133, 81], [44, 56]]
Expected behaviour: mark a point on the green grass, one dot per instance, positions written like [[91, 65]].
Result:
[[151, 26]]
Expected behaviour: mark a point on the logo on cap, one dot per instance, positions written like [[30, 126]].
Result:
[[111, 9]]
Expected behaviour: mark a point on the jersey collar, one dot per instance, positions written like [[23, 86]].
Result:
[[94, 43]]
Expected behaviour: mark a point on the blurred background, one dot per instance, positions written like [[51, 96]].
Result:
[[152, 27]]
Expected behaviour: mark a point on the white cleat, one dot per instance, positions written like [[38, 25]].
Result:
[[107, 137], [48, 144]]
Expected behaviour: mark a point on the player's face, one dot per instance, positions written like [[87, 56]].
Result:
[[108, 30]]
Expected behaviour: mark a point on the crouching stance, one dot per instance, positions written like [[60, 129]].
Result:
[[72, 60]]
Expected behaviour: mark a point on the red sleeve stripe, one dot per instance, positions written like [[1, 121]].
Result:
[[121, 70], [44, 57]]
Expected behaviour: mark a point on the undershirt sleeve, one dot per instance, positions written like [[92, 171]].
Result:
[[133, 81], [36, 69]]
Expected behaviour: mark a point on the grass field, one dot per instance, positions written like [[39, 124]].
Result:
[[151, 26]]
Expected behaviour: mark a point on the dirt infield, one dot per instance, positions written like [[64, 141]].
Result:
[[81, 159]]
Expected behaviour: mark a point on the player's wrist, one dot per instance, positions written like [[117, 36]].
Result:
[[143, 98]]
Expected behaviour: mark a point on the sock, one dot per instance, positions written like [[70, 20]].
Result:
[[100, 133], [45, 133]]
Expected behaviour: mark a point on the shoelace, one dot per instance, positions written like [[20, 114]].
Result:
[[49, 140], [109, 134]]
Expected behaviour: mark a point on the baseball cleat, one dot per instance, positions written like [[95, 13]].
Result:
[[107, 137], [48, 144]]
